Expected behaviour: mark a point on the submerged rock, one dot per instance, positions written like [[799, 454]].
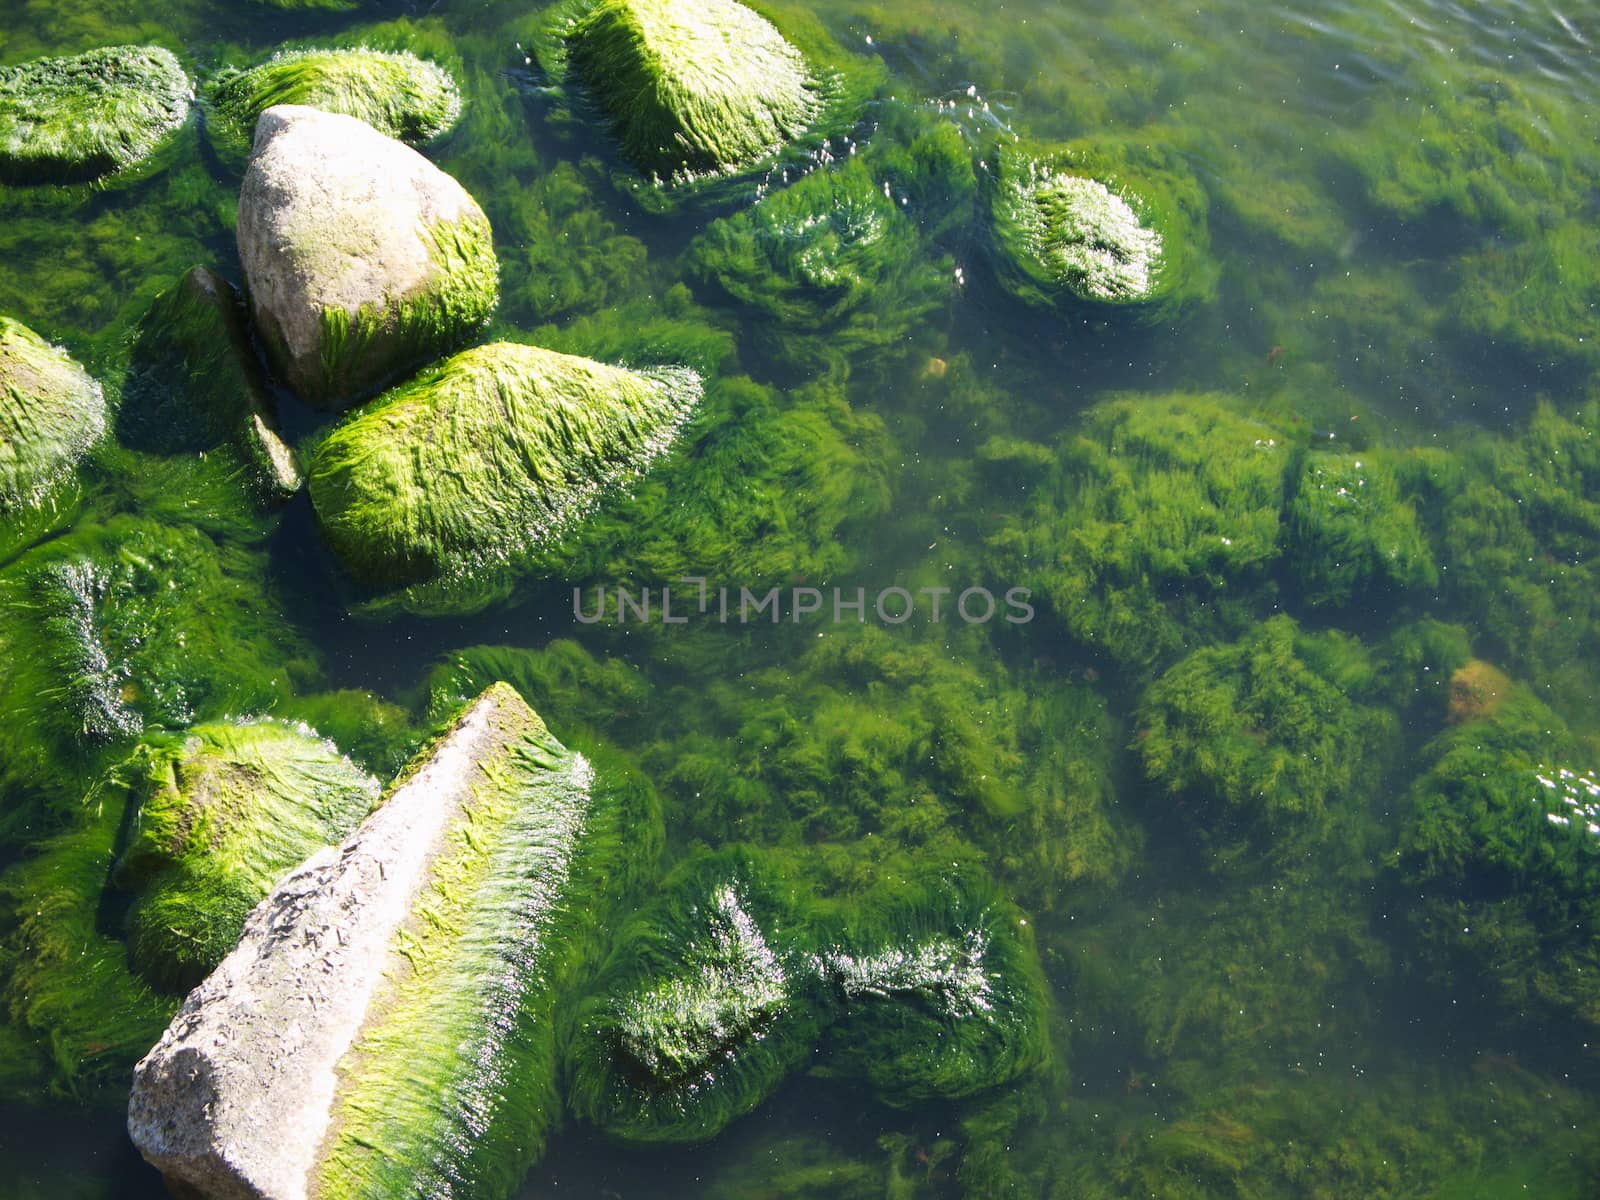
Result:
[[223, 811], [1105, 224], [485, 461], [693, 87], [193, 385], [397, 93], [72, 120], [387, 1024], [731, 983], [51, 413], [363, 259]]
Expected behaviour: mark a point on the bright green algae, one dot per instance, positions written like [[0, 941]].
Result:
[[397, 93], [692, 88], [193, 386], [223, 811], [71, 120], [51, 414], [1100, 223], [727, 985], [451, 1086], [485, 462]]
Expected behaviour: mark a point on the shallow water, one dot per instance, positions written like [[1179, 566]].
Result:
[[1220, 1032]]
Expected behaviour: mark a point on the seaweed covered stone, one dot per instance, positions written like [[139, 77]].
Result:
[[387, 1025], [363, 259], [222, 811], [1107, 224], [1500, 854], [692, 87], [485, 461], [1268, 736], [193, 386], [78, 119], [397, 93], [736, 977], [1349, 534], [51, 413], [1157, 519], [832, 256]]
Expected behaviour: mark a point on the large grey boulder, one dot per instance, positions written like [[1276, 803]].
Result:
[[363, 259], [386, 1025]]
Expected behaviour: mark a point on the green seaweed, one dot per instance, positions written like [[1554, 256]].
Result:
[[1349, 535], [452, 481], [693, 88], [452, 1082], [397, 93], [72, 120], [51, 414], [193, 387], [222, 812], [1267, 735], [1501, 860], [828, 264], [127, 625], [1105, 224], [1157, 517]]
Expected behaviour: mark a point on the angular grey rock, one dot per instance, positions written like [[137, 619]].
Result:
[[386, 1025], [363, 259]]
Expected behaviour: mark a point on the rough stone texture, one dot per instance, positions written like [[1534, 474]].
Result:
[[363, 259], [235, 1099]]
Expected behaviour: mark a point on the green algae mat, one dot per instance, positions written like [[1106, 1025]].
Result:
[[752, 598]]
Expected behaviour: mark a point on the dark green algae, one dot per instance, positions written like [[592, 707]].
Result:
[[1212, 1018]]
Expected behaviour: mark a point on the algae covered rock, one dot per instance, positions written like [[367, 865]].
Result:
[[484, 462], [832, 255], [1110, 225], [51, 413], [707, 1004], [1500, 852], [724, 987], [397, 93], [692, 87], [193, 386], [72, 120], [387, 1025], [1349, 534], [117, 626], [1267, 734], [362, 258], [223, 811], [1160, 516]]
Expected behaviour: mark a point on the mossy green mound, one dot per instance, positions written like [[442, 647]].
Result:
[[193, 387], [940, 992], [1500, 854], [831, 256], [725, 986], [77, 1010], [223, 811], [692, 87], [480, 464], [397, 93], [129, 624], [1109, 224], [1267, 735], [51, 413], [704, 1008], [71, 120], [1348, 533], [1159, 517]]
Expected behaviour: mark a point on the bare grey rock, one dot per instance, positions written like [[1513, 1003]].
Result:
[[363, 259]]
